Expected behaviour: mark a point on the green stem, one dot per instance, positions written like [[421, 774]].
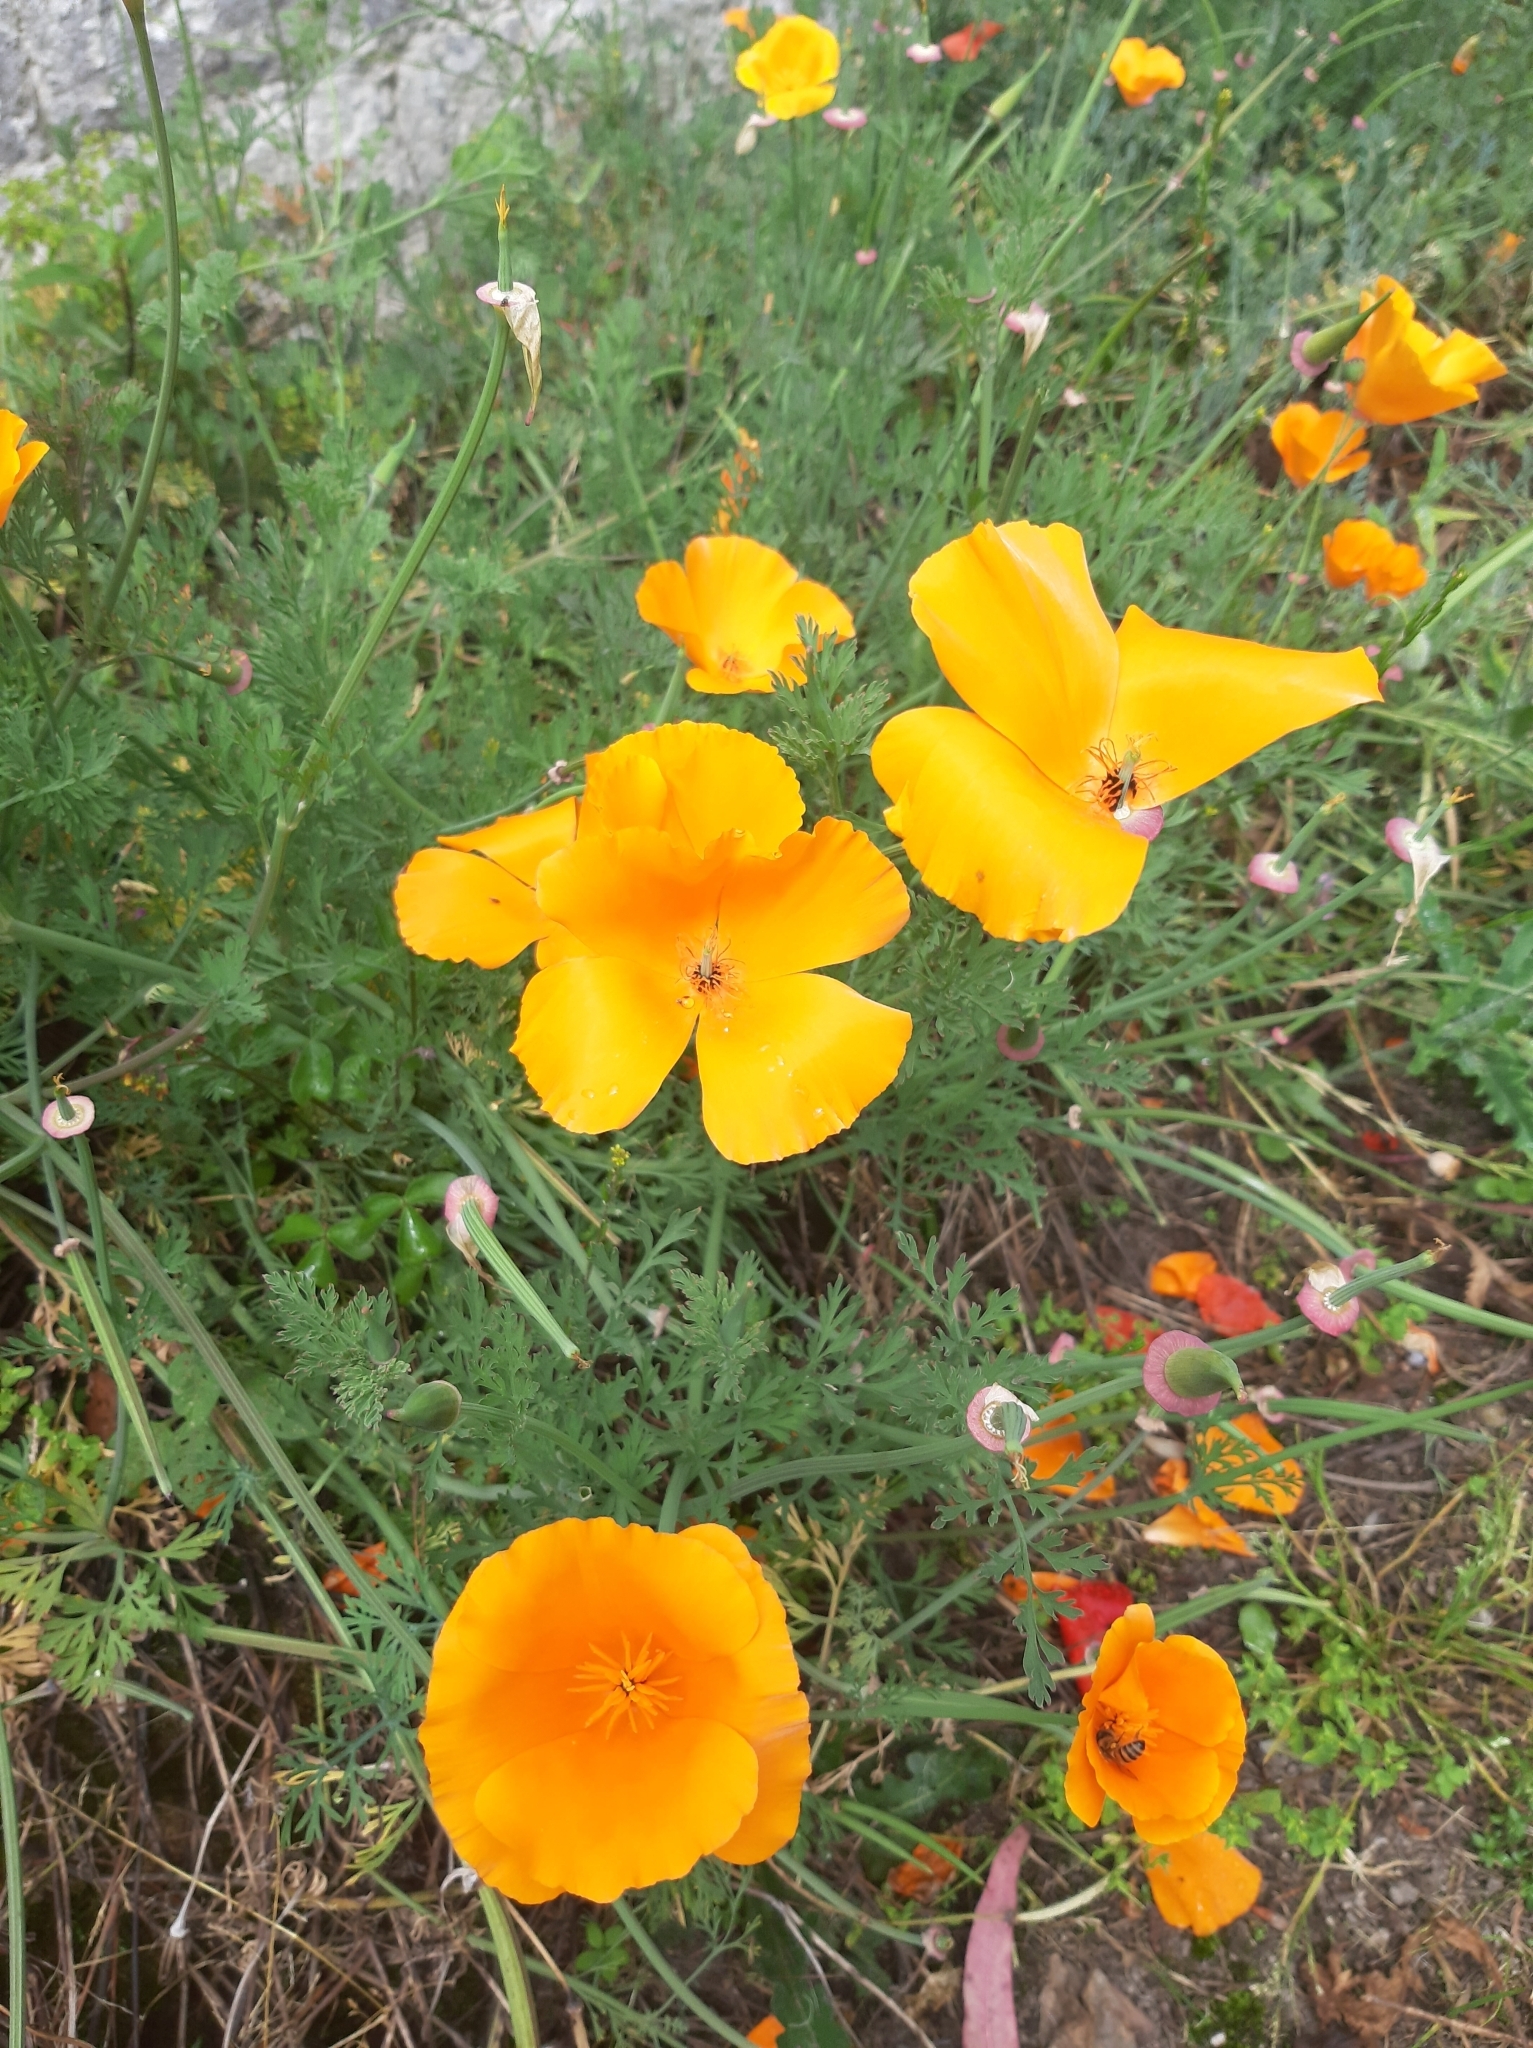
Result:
[[122, 1372], [15, 1897], [1310, 531], [673, 689], [513, 1973], [141, 497], [316, 759], [1082, 114], [677, 1986], [515, 1282]]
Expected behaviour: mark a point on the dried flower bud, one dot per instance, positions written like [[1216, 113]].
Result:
[[1032, 325], [519, 306]]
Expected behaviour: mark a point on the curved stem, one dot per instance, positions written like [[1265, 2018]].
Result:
[[140, 511]]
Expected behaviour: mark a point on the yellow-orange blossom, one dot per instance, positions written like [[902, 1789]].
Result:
[[607, 1705], [16, 463], [1023, 808], [793, 69], [1161, 1731]]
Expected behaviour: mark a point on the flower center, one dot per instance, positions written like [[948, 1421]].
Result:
[[1124, 780], [733, 664], [626, 1686], [708, 972]]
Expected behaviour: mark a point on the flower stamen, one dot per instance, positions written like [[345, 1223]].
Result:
[[626, 1686]]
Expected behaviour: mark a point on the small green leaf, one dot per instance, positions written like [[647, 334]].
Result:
[[318, 1264], [1258, 1630], [419, 1242], [429, 1191], [313, 1076], [297, 1227]]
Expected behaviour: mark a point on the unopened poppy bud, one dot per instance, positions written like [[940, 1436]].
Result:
[[998, 1420], [234, 673], [1272, 871], [432, 1407], [69, 1116], [468, 1189], [1185, 1376]]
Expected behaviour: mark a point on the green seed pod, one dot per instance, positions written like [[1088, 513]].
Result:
[[1196, 1374], [432, 1407]]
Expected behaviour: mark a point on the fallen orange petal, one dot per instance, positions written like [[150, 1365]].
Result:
[[927, 1871], [1202, 1884], [1271, 1490], [1178, 1274], [1231, 1307], [1194, 1525], [766, 2033], [1171, 1476]]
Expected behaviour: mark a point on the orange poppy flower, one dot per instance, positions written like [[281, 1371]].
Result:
[[1140, 71], [1362, 551], [1022, 808], [1202, 1883], [1178, 1274], [1463, 56], [1194, 1525], [1410, 373], [691, 899], [734, 607], [16, 463], [1162, 1732], [1310, 441], [1273, 1490], [608, 1705], [793, 69], [470, 897], [965, 44]]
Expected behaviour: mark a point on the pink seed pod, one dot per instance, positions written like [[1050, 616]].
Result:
[[468, 1188], [1008, 1044], [1321, 1281], [1160, 1372], [1142, 824], [1272, 871], [847, 119], [69, 1116], [985, 1422]]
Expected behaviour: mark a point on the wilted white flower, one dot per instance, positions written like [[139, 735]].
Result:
[[519, 305], [1032, 325]]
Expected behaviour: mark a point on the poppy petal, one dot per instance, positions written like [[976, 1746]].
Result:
[[663, 1800], [1191, 1688], [664, 598], [993, 835], [1083, 1788], [1017, 630], [1203, 1884], [1194, 704], [826, 896], [632, 895], [1121, 1641], [597, 1037], [697, 783], [806, 600], [460, 906], [791, 1062], [738, 587], [522, 841]]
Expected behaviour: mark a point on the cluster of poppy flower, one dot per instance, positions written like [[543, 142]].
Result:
[[680, 892], [1399, 371]]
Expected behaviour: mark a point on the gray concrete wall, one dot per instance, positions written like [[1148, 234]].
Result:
[[384, 87]]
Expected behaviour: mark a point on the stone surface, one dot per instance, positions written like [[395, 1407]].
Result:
[[385, 88]]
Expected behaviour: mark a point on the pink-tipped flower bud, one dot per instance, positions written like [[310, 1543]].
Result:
[[1032, 325], [1061, 1345], [69, 1116], [468, 1188], [1185, 1376], [1272, 871], [998, 1420], [847, 119], [1303, 367], [864, 258], [1012, 1046], [924, 53], [237, 673]]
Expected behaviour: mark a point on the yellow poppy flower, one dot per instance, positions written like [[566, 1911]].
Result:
[[793, 69], [1362, 551], [1310, 441], [691, 900], [608, 1705], [1202, 1883], [733, 605], [1140, 71], [470, 896], [1162, 1732], [16, 463], [1023, 808], [1410, 373]]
